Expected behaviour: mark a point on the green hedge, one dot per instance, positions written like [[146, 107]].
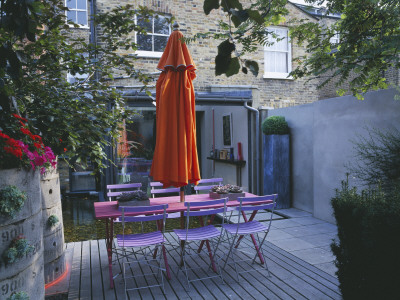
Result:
[[368, 248]]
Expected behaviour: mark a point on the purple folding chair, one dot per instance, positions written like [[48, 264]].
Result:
[[190, 238], [207, 184], [115, 190], [142, 245], [237, 231]]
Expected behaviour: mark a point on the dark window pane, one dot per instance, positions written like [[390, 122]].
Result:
[[144, 42], [81, 4], [161, 25], [146, 25], [159, 43], [82, 17], [71, 16], [71, 3]]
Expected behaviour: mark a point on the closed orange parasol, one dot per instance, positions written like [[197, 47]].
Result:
[[175, 161]]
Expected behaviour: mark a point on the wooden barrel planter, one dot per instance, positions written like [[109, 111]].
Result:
[[53, 233], [26, 274]]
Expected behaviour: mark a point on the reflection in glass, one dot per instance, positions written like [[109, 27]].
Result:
[[159, 43], [161, 25], [147, 25], [81, 4], [144, 42], [82, 17]]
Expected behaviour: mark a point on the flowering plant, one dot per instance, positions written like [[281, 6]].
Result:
[[19, 147]]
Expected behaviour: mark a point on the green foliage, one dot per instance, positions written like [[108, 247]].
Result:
[[138, 195], [18, 248], [18, 296], [368, 243], [12, 200], [275, 125], [377, 159], [245, 29], [76, 120], [52, 220], [368, 46]]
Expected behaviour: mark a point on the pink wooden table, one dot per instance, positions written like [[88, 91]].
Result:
[[108, 211]]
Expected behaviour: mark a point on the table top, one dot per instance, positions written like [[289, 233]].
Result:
[[109, 209]]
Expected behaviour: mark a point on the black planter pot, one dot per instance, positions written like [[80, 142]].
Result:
[[277, 168]]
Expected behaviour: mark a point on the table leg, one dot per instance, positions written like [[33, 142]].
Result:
[[252, 236], [209, 248], [182, 242]]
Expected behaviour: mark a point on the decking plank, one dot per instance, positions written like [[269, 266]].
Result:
[[95, 267], [74, 283], [109, 294], [86, 289]]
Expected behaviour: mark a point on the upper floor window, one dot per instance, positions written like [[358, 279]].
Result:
[[153, 43], [78, 12], [335, 39], [278, 57]]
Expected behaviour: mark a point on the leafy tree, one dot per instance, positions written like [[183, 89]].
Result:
[[242, 30], [369, 44], [36, 52]]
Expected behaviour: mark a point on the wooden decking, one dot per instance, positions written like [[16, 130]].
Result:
[[291, 278]]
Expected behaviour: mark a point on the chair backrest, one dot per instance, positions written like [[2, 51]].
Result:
[[155, 190], [256, 203], [207, 184], [122, 188], [152, 213]]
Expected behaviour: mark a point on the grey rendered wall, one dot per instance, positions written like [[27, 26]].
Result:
[[322, 134]]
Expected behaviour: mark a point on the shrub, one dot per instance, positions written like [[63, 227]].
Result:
[[11, 200], [377, 159], [275, 125], [367, 252]]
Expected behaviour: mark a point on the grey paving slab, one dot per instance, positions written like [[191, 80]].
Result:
[[328, 267], [307, 220], [285, 223], [277, 234], [323, 227], [292, 244], [302, 231], [314, 256], [319, 240], [293, 213]]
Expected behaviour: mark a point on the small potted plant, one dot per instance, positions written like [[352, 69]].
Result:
[[135, 198], [229, 190]]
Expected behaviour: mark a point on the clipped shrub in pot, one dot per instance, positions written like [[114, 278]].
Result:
[[276, 159]]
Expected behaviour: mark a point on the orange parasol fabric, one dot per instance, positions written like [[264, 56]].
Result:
[[175, 161]]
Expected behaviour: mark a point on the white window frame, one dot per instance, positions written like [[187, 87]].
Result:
[[279, 75], [76, 10], [153, 54], [335, 39]]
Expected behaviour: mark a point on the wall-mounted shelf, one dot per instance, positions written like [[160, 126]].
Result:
[[239, 163]]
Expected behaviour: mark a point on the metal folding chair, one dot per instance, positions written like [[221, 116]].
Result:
[[237, 231], [191, 237], [207, 184], [139, 248], [115, 190], [156, 190]]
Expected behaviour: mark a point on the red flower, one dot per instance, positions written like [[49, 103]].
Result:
[[37, 145], [60, 140], [19, 117], [25, 131], [65, 149]]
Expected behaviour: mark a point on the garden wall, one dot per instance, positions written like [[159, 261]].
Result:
[[321, 146]]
